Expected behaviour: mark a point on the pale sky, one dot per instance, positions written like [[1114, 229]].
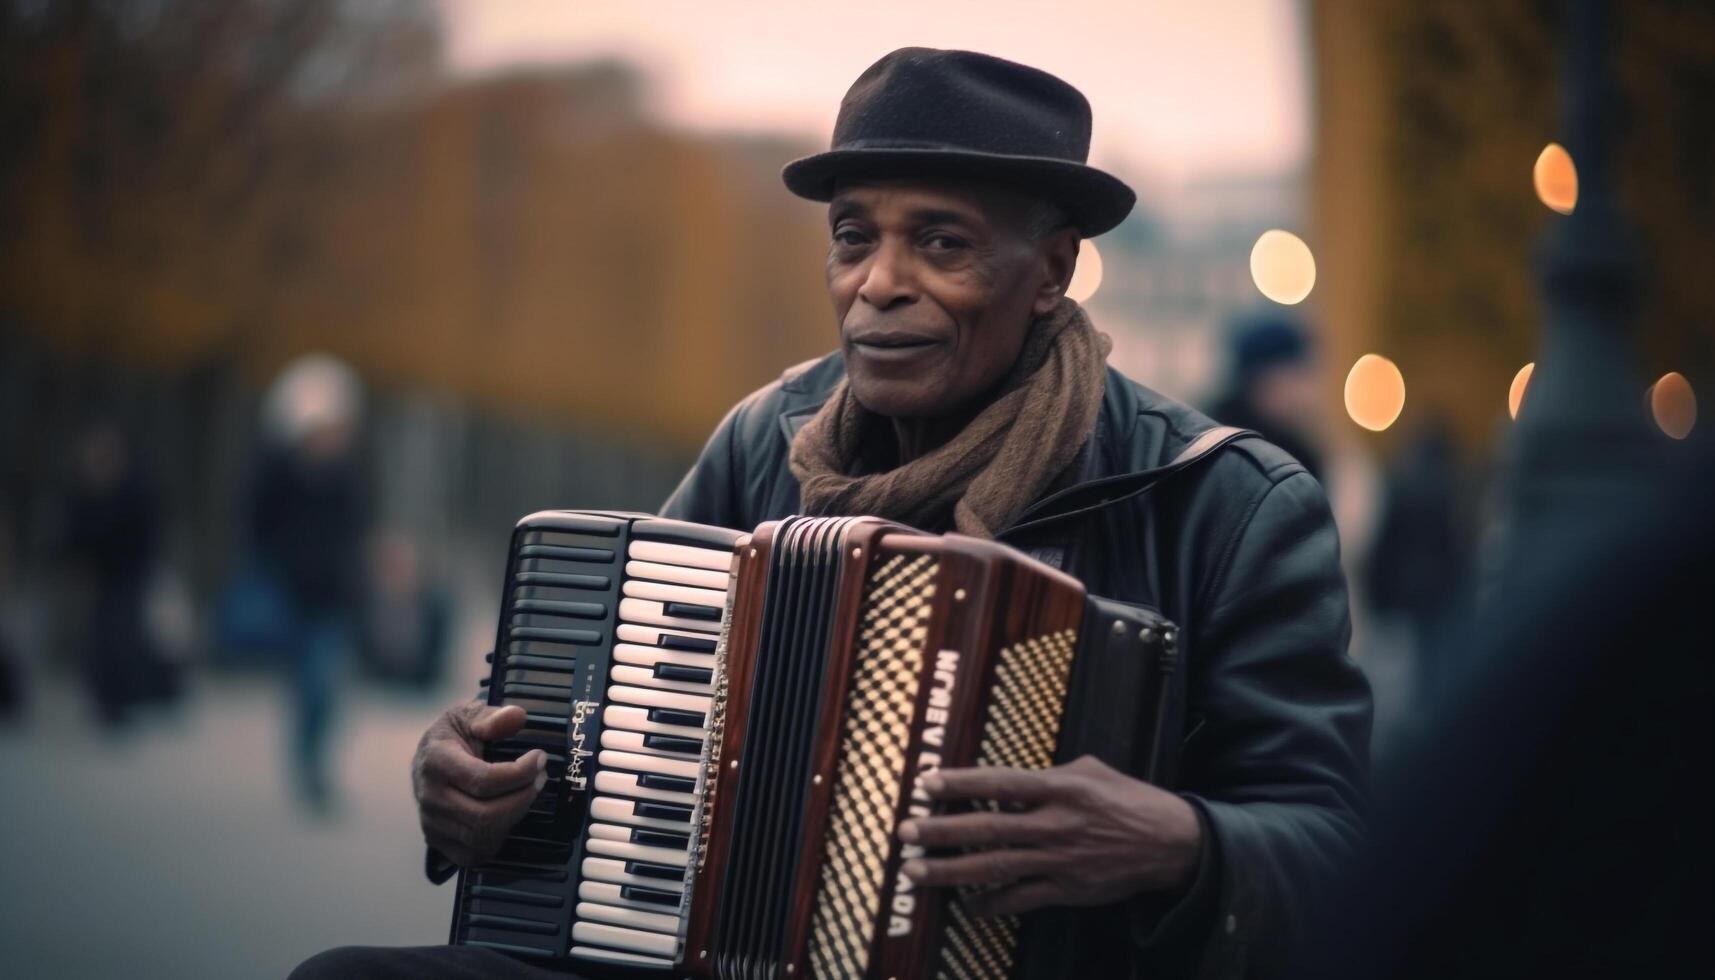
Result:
[[1179, 89]]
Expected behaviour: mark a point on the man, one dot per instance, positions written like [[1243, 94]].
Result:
[[967, 392]]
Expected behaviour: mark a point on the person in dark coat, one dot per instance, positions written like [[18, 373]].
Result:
[[308, 519], [114, 530], [969, 394], [1272, 387]]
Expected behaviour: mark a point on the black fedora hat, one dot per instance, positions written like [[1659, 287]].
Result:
[[924, 112]]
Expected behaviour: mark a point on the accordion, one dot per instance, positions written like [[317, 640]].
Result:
[[736, 723]]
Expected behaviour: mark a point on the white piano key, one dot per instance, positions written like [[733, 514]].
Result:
[[648, 612], [613, 872], [663, 592], [627, 718], [625, 784], [631, 918], [627, 851], [651, 635], [606, 894], [636, 762], [679, 554], [642, 656], [645, 677], [702, 578], [613, 738], [595, 955], [614, 809], [627, 940], [652, 698]]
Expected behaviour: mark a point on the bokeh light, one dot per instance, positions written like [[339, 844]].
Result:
[[1375, 392], [1556, 178], [1673, 405], [1282, 267], [1515, 394], [1087, 278]]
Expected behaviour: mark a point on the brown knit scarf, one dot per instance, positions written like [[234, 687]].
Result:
[[993, 469]]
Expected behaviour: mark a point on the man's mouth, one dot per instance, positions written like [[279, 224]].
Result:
[[892, 345]]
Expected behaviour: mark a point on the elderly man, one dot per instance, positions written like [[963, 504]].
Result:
[[970, 394]]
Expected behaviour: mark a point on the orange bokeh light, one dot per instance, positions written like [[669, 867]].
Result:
[[1375, 392], [1515, 394], [1673, 405], [1556, 178]]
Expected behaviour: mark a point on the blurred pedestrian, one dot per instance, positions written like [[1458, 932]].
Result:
[[113, 531], [1422, 562], [1272, 386], [308, 517]]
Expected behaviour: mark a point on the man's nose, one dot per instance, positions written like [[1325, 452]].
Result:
[[888, 281]]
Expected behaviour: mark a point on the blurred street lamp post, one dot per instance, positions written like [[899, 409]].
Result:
[[1581, 446]]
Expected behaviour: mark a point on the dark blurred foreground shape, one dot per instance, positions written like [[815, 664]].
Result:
[[1553, 815]]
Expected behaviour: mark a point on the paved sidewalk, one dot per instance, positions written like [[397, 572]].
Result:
[[177, 852]]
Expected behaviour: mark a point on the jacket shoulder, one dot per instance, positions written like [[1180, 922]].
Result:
[[756, 421], [1156, 428]]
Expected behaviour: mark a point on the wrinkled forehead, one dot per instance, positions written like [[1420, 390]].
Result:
[[997, 203]]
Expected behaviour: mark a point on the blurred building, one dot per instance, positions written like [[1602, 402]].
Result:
[[1429, 118]]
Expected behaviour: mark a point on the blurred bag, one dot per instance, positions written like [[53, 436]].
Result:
[[254, 620]]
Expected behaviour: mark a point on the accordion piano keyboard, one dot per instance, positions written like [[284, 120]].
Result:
[[631, 896]]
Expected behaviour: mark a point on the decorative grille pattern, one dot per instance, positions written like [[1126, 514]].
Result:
[[1020, 730], [874, 733]]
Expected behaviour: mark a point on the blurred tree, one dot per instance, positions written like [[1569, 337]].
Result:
[[141, 145]]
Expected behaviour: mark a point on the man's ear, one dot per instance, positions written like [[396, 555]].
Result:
[[1059, 252]]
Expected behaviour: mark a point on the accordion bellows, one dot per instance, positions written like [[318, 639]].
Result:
[[736, 724]]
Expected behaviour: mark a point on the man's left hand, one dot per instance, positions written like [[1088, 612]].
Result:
[[1086, 834]]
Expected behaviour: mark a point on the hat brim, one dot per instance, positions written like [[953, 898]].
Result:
[[1095, 200]]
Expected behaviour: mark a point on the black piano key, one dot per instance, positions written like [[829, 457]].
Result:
[[544, 691], [513, 923], [582, 638], [679, 672], [637, 893], [646, 869], [557, 607], [661, 811], [689, 644], [563, 665], [527, 869], [673, 743], [690, 610], [676, 784], [488, 657], [675, 716], [511, 948], [659, 838], [518, 895], [566, 553], [596, 583], [543, 721]]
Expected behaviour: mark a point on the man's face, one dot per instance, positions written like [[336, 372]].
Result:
[[934, 287]]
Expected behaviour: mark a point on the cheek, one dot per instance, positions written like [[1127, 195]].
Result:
[[843, 282]]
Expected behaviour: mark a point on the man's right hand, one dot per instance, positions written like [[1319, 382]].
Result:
[[466, 805]]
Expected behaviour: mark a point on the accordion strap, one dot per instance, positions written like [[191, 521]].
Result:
[[1108, 490]]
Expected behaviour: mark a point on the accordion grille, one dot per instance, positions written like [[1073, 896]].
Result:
[[1020, 730], [875, 731]]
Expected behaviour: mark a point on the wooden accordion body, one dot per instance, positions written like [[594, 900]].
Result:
[[729, 766]]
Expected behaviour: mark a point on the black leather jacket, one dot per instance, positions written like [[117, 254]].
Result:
[[1242, 553]]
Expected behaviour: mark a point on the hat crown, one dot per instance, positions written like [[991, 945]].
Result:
[[926, 97]]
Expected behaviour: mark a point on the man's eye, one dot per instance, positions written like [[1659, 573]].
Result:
[[848, 237], [943, 243]]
